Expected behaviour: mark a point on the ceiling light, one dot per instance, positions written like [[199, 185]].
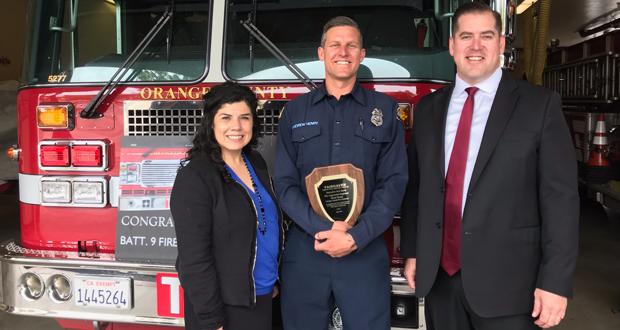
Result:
[[523, 6]]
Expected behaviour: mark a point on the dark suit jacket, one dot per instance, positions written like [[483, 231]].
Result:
[[520, 223], [215, 223]]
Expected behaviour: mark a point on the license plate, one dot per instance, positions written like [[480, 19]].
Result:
[[110, 292]]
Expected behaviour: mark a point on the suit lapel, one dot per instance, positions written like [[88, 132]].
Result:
[[442, 102], [501, 110]]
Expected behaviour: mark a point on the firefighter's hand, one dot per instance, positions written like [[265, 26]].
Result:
[[549, 308], [409, 272], [341, 225], [335, 243]]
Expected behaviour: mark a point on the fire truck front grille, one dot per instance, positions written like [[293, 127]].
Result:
[[150, 122], [182, 118], [269, 115]]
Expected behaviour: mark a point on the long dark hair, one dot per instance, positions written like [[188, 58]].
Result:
[[204, 141]]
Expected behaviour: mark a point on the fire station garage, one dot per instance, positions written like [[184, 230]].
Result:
[[95, 96]]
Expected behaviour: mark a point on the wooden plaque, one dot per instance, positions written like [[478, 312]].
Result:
[[336, 192]]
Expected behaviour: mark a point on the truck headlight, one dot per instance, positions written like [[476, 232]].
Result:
[[74, 191], [87, 192], [56, 191], [60, 288], [31, 286]]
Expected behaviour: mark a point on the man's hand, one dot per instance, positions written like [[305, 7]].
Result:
[[549, 308], [335, 243], [409, 272]]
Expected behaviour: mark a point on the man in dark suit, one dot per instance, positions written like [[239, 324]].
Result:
[[490, 217]]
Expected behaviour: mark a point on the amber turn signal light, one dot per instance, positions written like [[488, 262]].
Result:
[[13, 152], [55, 116]]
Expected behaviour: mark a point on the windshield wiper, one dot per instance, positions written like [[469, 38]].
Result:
[[90, 111], [278, 54], [252, 19], [169, 34]]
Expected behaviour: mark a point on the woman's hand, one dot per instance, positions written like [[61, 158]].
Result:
[[275, 291], [220, 328]]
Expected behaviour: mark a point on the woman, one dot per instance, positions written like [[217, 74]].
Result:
[[226, 219]]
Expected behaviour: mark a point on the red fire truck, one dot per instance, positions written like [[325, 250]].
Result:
[[100, 73]]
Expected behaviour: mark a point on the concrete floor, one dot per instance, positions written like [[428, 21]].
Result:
[[596, 305]]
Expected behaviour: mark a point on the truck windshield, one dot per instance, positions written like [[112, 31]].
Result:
[[402, 38], [85, 41]]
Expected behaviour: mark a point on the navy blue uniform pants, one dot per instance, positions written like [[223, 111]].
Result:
[[312, 282]]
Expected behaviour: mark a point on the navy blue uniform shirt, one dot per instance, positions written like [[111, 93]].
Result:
[[317, 130]]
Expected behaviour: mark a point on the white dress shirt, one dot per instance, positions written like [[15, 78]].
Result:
[[483, 100]]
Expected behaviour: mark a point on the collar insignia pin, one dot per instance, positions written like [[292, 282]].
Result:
[[376, 117]]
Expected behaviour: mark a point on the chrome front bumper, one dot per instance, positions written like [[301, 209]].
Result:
[[16, 261]]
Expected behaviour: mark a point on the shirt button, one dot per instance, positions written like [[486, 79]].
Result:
[[468, 233], [336, 143], [338, 122]]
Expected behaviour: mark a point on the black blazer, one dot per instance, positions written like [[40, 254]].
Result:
[[520, 222], [215, 223]]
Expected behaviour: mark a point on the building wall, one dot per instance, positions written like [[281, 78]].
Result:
[[12, 38]]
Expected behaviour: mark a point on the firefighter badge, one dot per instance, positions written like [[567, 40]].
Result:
[[376, 117]]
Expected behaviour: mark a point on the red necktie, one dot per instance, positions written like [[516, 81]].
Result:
[[453, 198]]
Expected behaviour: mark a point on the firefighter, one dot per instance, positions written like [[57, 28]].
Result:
[[327, 263]]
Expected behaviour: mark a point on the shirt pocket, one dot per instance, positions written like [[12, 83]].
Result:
[[304, 139], [372, 134], [370, 139]]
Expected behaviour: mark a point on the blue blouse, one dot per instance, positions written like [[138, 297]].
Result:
[[267, 244]]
